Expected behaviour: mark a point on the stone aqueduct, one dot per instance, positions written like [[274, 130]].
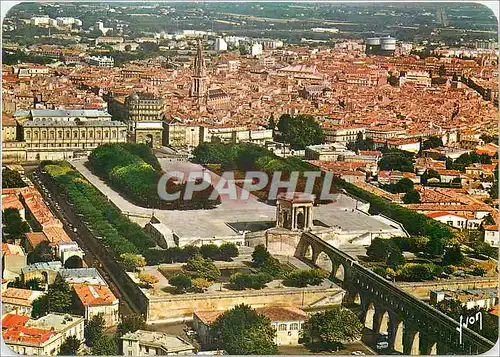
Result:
[[413, 326]]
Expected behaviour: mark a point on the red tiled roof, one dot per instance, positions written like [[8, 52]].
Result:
[[27, 335], [443, 213], [35, 238], [94, 294], [12, 249], [287, 313], [11, 201], [13, 320]]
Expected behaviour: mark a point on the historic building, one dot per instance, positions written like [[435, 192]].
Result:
[[60, 134], [61, 140], [199, 81], [181, 135], [143, 114]]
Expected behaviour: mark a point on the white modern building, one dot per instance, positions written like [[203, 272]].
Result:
[[220, 45], [256, 49]]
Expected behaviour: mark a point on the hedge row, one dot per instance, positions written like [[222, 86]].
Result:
[[116, 231]]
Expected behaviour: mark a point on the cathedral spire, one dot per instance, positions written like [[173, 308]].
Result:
[[199, 81], [199, 61]]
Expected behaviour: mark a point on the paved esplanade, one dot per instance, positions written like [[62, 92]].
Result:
[[205, 224]]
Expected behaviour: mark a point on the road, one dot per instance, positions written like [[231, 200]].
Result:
[[93, 257]]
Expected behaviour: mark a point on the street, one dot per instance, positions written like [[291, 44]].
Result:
[[96, 258]]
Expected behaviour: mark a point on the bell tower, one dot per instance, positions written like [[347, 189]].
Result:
[[199, 81]]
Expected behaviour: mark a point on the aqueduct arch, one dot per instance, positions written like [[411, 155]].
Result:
[[413, 326]]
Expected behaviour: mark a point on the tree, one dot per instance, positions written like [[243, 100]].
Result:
[[242, 281], [181, 282], [59, 296], [442, 71], [133, 261], [395, 259], [198, 267], [418, 243], [42, 253], [228, 250], [404, 185], [303, 278], [328, 330], [211, 251], [31, 284], [451, 307], [399, 161], [40, 307], [70, 346], [148, 279], [284, 126], [417, 272], [93, 329], [378, 250], [14, 225], [104, 346], [272, 124], [200, 284], [411, 197], [300, 131], [11, 179], [432, 142], [130, 323], [260, 256], [242, 331], [453, 255]]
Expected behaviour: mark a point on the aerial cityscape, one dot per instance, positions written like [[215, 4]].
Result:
[[219, 178]]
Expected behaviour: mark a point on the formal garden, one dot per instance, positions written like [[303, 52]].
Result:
[[134, 171], [215, 268]]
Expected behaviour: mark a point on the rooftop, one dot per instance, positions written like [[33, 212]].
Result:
[[57, 322], [55, 266], [171, 344], [11, 249], [94, 295], [82, 276], [13, 320], [275, 314], [49, 122]]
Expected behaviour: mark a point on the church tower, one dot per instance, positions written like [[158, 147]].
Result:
[[199, 82]]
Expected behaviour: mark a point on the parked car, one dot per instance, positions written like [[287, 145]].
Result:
[[382, 345]]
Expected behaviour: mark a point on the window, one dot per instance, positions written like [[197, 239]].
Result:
[[450, 223], [59, 134], [35, 135], [28, 135], [82, 134], [68, 134], [91, 133], [130, 353], [146, 349], [44, 134], [113, 134], [52, 135], [75, 134], [282, 327], [130, 343], [294, 326], [106, 134]]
